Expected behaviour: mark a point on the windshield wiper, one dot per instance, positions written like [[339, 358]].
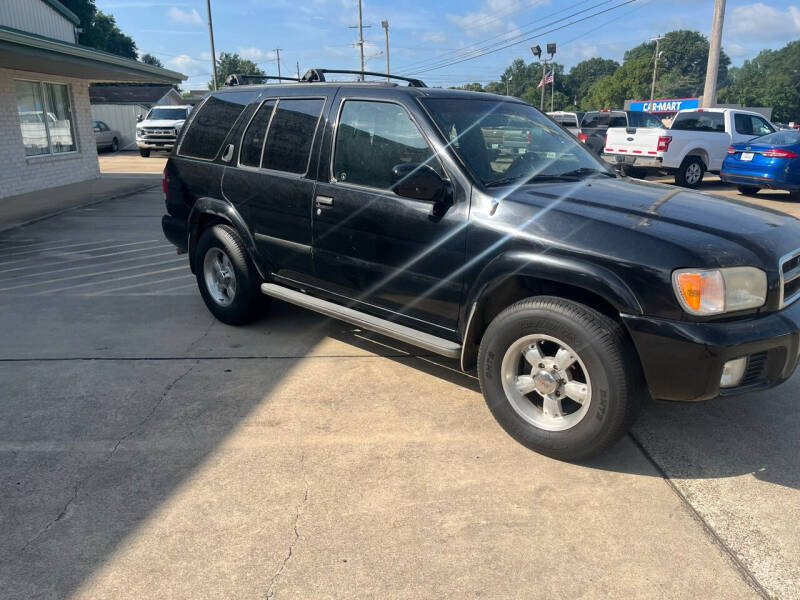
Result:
[[586, 172], [503, 181]]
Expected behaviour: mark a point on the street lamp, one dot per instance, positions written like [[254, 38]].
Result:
[[537, 52], [656, 56]]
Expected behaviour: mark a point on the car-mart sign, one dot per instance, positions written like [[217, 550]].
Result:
[[664, 106]]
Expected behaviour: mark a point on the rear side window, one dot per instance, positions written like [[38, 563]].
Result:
[[291, 134], [210, 126], [751, 125], [253, 140], [591, 120], [618, 121], [700, 121]]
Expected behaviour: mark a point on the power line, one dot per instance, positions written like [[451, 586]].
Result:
[[441, 66], [508, 36]]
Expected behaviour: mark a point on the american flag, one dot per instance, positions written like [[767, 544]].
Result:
[[547, 79]]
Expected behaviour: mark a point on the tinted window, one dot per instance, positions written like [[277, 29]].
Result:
[[751, 125], [640, 119], [372, 138], [253, 140], [591, 120], [699, 121], [618, 121], [291, 134], [210, 126]]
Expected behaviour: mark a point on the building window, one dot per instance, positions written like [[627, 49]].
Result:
[[45, 116]]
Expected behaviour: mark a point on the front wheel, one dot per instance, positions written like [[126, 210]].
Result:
[[558, 377], [748, 190], [144, 153], [228, 281], [690, 173], [114, 145]]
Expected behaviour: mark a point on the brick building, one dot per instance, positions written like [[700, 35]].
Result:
[[46, 134]]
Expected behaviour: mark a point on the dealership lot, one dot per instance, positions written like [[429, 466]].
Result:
[[149, 450]]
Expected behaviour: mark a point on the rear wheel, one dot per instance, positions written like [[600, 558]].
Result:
[[114, 145], [690, 173], [794, 195], [558, 377], [748, 190], [228, 281], [144, 153], [627, 171]]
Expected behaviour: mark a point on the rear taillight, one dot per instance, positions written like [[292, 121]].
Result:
[[732, 150], [164, 185], [582, 137], [663, 143], [779, 153]]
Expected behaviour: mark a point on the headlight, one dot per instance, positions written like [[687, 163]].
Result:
[[717, 291], [138, 132]]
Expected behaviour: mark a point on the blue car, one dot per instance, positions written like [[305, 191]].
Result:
[[771, 161]]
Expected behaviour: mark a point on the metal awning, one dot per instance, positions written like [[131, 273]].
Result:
[[29, 52]]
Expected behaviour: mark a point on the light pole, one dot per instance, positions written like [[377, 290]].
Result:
[[710, 88], [385, 25], [551, 50], [537, 52], [211, 37], [655, 69], [508, 80]]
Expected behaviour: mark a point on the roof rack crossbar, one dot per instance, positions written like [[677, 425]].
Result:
[[319, 75], [247, 79]]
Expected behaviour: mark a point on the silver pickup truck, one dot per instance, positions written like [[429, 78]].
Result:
[[159, 129]]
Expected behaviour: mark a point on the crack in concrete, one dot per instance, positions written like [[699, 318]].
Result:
[[138, 427], [273, 582], [203, 336]]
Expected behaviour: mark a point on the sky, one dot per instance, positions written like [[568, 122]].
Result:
[[444, 42]]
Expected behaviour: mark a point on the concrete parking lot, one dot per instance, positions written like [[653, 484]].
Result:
[[148, 451]]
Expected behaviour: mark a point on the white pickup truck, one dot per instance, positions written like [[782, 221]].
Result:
[[696, 142]]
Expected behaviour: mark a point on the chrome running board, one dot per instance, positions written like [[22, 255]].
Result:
[[376, 324]]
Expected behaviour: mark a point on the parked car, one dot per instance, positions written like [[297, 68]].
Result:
[[569, 120], [595, 123], [572, 291], [696, 142], [105, 137], [159, 129], [771, 161]]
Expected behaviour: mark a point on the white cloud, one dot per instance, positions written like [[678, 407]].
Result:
[[491, 17], [256, 54], [764, 23], [432, 36], [187, 17], [187, 65]]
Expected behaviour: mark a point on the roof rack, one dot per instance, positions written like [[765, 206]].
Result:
[[319, 75], [244, 79]]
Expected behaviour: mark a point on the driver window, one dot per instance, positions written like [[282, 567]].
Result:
[[372, 138]]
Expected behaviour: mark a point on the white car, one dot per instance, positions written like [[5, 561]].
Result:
[[696, 142], [159, 129]]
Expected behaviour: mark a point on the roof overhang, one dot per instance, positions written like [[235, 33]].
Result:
[[27, 52]]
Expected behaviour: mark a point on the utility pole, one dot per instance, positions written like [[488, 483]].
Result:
[[211, 37], [360, 42], [710, 88], [385, 25], [278, 56], [298, 69], [510, 77], [553, 89], [544, 85], [655, 69]]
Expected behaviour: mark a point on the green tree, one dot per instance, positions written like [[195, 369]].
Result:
[[151, 60], [470, 87], [100, 30], [581, 77], [770, 79], [228, 63]]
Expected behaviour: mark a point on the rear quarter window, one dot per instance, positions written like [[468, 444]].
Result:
[[211, 123], [700, 121]]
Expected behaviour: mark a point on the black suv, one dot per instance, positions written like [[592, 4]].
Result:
[[574, 292]]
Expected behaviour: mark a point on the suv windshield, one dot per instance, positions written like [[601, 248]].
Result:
[[507, 142], [169, 114]]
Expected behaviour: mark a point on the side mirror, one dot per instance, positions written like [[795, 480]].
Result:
[[417, 181], [97, 130], [139, 118]]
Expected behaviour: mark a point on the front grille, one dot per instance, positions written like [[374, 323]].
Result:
[[790, 279], [158, 131], [756, 368]]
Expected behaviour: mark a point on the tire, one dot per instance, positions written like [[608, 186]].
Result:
[[748, 190], [115, 145], [231, 291], [794, 195], [144, 153], [690, 173], [605, 365]]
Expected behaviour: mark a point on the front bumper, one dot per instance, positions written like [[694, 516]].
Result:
[[176, 231], [683, 360], [155, 145]]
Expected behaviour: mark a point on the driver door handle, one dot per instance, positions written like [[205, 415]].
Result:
[[324, 201]]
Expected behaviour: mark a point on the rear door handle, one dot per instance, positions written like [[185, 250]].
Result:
[[324, 201]]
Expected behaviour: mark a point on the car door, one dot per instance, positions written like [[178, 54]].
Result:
[[374, 250], [102, 134], [272, 184]]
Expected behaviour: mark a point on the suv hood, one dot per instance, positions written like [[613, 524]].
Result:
[[703, 225]]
